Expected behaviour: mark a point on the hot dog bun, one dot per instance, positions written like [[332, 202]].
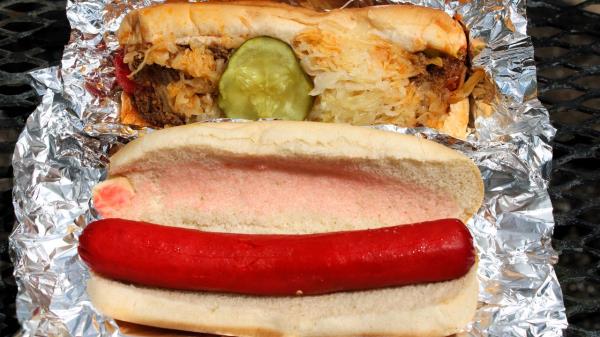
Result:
[[287, 177], [165, 178], [429, 28], [437, 309], [369, 65]]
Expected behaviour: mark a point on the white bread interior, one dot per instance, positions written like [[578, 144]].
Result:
[[386, 154], [437, 309]]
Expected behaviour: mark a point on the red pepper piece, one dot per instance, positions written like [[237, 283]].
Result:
[[121, 73], [277, 265]]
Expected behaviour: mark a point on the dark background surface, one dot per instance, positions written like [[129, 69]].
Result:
[[566, 36]]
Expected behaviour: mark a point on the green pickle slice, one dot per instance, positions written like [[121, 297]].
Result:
[[263, 79]]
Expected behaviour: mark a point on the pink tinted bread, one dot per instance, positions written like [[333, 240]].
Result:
[[298, 177]]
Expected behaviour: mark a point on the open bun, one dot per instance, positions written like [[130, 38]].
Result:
[[294, 155], [437, 309], [287, 177]]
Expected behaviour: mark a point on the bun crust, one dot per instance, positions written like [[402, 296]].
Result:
[[438, 309], [413, 28], [435, 309]]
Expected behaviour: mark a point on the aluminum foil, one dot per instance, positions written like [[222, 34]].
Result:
[[63, 152]]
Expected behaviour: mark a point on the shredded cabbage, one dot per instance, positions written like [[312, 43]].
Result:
[[370, 82], [191, 95]]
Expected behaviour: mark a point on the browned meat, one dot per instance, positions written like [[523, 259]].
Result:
[[150, 97], [156, 74], [153, 107], [220, 52], [454, 72], [450, 76]]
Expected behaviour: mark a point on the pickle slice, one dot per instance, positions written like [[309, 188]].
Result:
[[263, 79]]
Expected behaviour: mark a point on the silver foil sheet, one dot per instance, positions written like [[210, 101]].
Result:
[[63, 152]]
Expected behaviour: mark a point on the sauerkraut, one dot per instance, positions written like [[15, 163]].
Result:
[[191, 96], [370, 81], [357, 81]]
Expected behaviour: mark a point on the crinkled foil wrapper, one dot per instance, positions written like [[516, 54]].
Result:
[[63, 152]]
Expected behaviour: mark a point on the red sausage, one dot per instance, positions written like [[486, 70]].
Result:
[[187, 259], [121, 73]]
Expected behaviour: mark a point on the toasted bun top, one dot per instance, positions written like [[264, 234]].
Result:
[[413, 28], [423, 162]]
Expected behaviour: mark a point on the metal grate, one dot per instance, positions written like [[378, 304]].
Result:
[[32, 35], [566, 34]]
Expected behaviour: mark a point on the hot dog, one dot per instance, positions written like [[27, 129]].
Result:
[[288, 228], [277, 265]]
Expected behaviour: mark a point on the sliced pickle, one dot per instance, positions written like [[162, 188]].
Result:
[[263, 79]]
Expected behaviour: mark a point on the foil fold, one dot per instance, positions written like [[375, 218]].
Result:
[[63, 152]]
